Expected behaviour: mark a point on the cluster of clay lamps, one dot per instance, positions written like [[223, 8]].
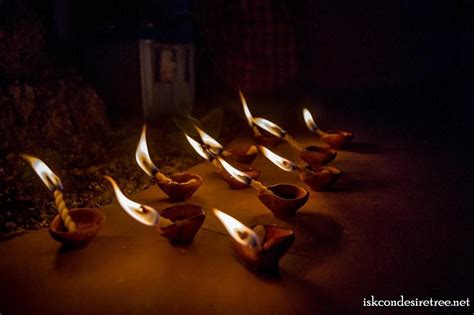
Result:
[[266, 133], [281, 199], [179, 223], [259, 247], [210, 149], [317, 177]]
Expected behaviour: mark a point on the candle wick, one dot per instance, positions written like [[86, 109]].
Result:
[[293, 142], [162, 178], [63, 210], [164, 222], [298, 168], [256, 131], [154, 170], [320, 132], [259, 186]]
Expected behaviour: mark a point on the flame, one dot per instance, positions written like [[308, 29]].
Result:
[[142, 213], [279, 161], [143, 157], [247, 112], [308, 119], [46, 175], [269, 126], [235, 173], [239, 232], [198, 147], [214, 146]]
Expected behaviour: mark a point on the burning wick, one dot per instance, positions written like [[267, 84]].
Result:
[[277, 131], [200, 149], [318, 178], [248, 115], [54, 184], [279, 161], [142, 213], [210, 149], [312, 126], [204, 151], [336, 139], [288, 165], [239, 232], [212, 145], [144, 161], [260, 248], [242, 177], [207, 154]]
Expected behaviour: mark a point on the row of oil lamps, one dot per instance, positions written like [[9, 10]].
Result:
[[261, 246]]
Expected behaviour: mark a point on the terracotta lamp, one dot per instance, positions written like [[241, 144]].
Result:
[[261, 136], [313, 155], [232, 182], [337, 139], [261, 247], [282, 199], [178, 186], [210, 149], [241, 155], [237, 154], [317, 177], [88, 221], [179, 224], [73, 228]]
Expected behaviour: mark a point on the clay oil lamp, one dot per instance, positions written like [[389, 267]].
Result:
[[207, 152], [317, 177], [241, 155], [282, 199], [73, 228], [178, 186], [313, 155], [261, 136], [259, 248], [179, 223], [337, 139], [232, 182], [238, 154]]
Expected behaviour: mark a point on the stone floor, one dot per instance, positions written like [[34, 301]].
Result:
[[394, 224]]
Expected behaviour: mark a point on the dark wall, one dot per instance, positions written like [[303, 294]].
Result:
[[342, 43], [372, 43]]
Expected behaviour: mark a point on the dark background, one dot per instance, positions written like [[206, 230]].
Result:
[[346, 45]]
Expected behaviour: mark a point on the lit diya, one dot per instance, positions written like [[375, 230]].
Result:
[[239, 155], [73, 228], [210, 150], [178, 223], [261, 136], [337, 139], [313, 155], [178, 186], [317, 177], [282, 199], [259, 248]]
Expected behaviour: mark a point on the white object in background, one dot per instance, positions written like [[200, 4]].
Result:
[[167, 77]]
